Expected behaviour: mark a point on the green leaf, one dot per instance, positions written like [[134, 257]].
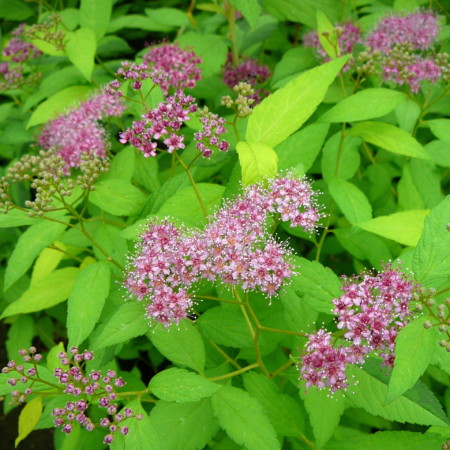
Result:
[[184, 426], [108, 237], [250, 9], [407, 114], [44, 374], [404, 227], [58, 103], [142, 434], [86, 301], [340, 159], [80, 47], [414, 348], [399, 439], [439, 152], [95, 15], [118, 197], [182, 345], [390, 138], [146, 172], [70, 18], [43, 294], [364, 105], [369, 389], [351, 200], [293, 61], [179, 385], [171, 17], [29, 417], [20, 335], [327, 35], [283, 112], [324, 412], [431, 260], [302, 147], [48, 48], [47, 262], [408, 195], [122, 166], [211, 48], [14, 10], [257, 160], [128, 322], [28, 247], [17, 218], [316, 283], [137, 21], [243, 418], [184, 204], [225, 327], [440, 128], [53, 361], [283, 412]]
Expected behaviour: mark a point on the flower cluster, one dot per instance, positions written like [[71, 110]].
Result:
[[248, 71], [401, 48], [167, 65], [348, 36], [162, 123], [242, 105], [50, 30], [79, 132], [371, 312], [234, 248], [207, 138], [73, 380], [14, 73]]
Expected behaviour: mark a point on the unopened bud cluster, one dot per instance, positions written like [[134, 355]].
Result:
[[50, 30], [242, 104], [371, 312], [440, 317], [167, 65], [85, 388]]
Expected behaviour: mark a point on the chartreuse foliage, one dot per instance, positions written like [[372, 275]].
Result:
[[227, 376]]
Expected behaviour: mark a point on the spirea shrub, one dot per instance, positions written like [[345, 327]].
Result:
[[241, 209]]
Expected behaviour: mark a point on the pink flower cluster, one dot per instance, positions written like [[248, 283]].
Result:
[[419, 29], [19, 50], [167, 65], [213, 126], [248, 71], [234, 248], [349, 36], [371, 312], [405, 44], [162, 123], [79, 131]]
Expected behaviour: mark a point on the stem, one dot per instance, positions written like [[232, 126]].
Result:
[[194, 185], [216, 299], [236, 372], [225, 355], [230, 15], [281, 369], [324, 234], [70, 255], [443, 290]]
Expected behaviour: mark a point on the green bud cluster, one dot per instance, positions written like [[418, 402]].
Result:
[[242, 104]]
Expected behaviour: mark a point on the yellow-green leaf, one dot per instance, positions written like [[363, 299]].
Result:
[[28, 418], [80, 47]]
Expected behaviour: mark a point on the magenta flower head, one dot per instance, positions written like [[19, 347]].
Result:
[[371, 312], [233, 249], [79, 132]]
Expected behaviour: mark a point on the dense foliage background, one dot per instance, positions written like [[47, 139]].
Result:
[[155, 151]]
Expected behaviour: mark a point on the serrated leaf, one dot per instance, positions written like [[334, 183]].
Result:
[[404, 227], [47, 262], [184, 426], [118, 197], [28, 247], [324, 412], [390, 138], [283, 112], [86, 301], [243, 418], [417, 405], [317, 284], [366, 104], [414, 349], [184, 204], [225, 327], [257, 160], [399, 440], [95, 15], [182, 345], [54, 289], [80, 47], [127, 322], [29, 417], [283, 412], [179, 385], [58, 103], [142, 434], [250, 9], [351, 200], [431, 260]]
